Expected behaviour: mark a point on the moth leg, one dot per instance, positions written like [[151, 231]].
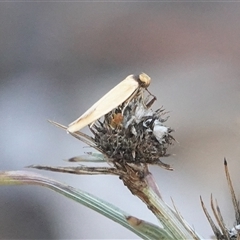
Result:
[[150, 103], [135, 94]]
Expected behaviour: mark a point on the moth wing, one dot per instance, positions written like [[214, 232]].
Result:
[[108, 102]]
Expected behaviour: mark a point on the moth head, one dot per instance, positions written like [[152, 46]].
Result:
[[144, 80]]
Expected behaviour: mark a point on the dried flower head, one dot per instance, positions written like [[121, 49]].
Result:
[[130, 136], [134, 133]]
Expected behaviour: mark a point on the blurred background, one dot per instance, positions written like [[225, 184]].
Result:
[[57, 59]]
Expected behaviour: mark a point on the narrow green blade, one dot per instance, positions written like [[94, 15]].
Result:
[[144, 230]]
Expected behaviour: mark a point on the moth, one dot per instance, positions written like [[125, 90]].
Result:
[[123, 92]]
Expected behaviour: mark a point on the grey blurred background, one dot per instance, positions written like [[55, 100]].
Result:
[[57, 59]]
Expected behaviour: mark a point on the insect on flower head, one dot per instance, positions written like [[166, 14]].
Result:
[[133, 133], [124, 91]]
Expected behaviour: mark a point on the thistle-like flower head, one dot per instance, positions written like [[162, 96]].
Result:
[[134, 133]]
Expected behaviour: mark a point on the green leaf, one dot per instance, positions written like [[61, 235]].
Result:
[[144, 230], [90, 157]]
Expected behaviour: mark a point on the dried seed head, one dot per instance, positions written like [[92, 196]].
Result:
[[133, 133]]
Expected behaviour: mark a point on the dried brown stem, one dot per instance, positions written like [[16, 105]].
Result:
[[215, 229], [234, 199], [219, 219], [81, 170]]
